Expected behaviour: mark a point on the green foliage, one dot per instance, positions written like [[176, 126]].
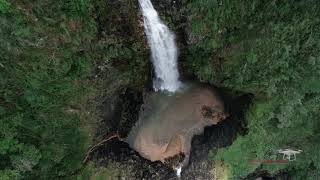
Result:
[[112, 171], [48, 50], [270, 49], [42, 75], [4, 6], [122, 47]]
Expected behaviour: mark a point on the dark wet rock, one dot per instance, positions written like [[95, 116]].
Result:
[[130, 102], [133, 166], [109, 114], [119, 113], [175, 160], [130, 163], [201, 165], [214, 137]]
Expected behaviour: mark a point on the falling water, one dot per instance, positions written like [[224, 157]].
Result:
[[163, 49]]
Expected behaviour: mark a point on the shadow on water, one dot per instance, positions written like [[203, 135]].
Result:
[[217, 136]]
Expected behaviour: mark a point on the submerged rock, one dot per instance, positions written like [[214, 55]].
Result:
[[167, 124]]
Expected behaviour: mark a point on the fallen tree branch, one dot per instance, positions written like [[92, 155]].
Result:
[[93, 148]]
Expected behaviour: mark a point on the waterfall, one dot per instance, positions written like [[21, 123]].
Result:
[[163, 49]]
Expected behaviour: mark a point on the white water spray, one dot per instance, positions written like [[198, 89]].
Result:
[[163, 49]]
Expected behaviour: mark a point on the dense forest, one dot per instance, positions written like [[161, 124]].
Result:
[[271, 49], [59, 58]]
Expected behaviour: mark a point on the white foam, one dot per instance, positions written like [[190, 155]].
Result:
[[163, 49], [178, 171]]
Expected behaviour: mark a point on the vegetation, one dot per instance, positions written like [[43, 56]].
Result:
[[56, 55], [49, 51], [43, 72], [270, 49]]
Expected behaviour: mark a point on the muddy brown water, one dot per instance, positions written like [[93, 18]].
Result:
[[129, 164], [168, 122]]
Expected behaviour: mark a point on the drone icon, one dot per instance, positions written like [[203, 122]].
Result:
[[288, 153]]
